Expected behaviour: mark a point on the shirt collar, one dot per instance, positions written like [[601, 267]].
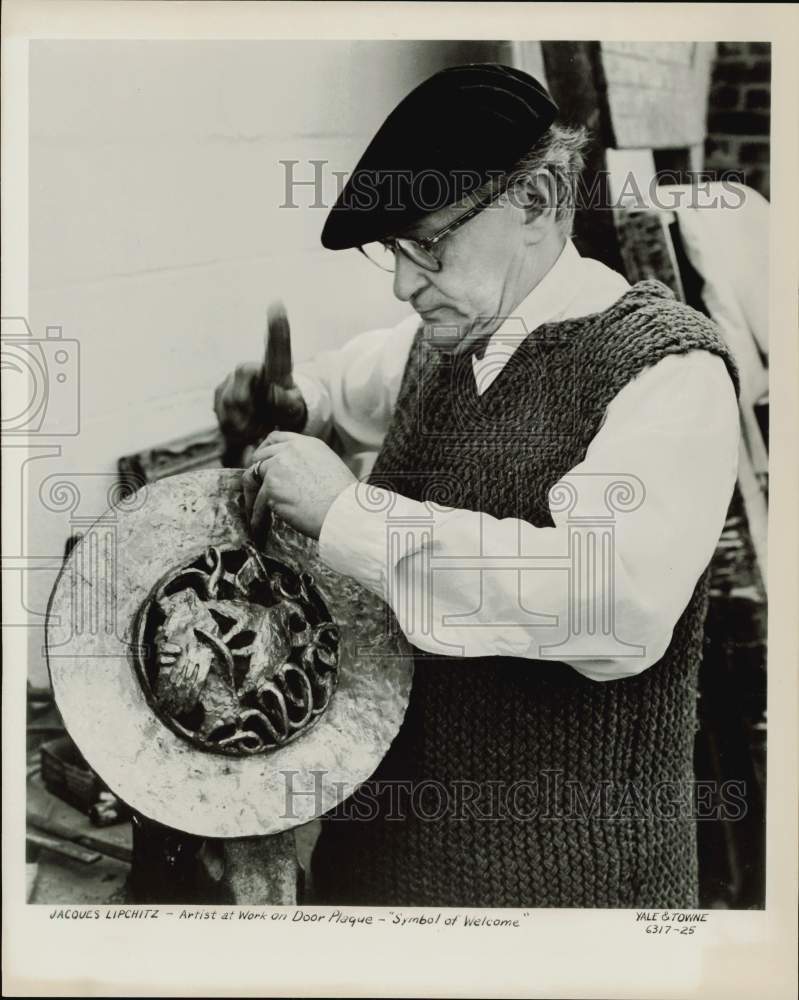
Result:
[[555, 292], [548, 301]]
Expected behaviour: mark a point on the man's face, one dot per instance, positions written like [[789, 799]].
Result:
[[484, 263]]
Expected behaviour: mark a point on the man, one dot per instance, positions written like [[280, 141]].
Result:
[[546, 754]]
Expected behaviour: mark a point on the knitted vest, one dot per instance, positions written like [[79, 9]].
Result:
[[518, 782]]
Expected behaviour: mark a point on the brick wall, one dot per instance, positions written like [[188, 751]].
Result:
[[739, 112]]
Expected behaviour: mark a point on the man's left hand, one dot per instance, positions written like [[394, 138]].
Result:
[[296, 476]]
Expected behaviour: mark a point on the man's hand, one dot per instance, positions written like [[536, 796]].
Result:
[[255, 399], [247, 407], [296, 476]]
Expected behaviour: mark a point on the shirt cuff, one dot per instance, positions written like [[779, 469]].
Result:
[[317, 421], [355, 539]]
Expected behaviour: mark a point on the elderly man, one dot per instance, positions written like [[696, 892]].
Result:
[[546, 755]]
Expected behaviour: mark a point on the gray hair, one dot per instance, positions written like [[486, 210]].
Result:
[[560, 155]]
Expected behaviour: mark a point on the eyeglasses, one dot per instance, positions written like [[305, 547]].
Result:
[[420, 251]]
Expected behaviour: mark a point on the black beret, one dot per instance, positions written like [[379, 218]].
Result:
[[464, 126]]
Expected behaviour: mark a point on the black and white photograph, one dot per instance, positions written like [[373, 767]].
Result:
[[389, 423]]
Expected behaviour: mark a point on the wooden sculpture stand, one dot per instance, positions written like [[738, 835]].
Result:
[[172, 867]]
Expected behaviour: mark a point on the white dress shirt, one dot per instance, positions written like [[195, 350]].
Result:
[[463, 583]]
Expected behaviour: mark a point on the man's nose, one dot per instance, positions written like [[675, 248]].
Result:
[[409, 278]]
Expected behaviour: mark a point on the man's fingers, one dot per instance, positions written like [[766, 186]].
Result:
[[259, 519], [265, 451], [274, 443], [240, 390], [290, 405], [282, 437], [250, 484], [226, 397], [234, 401], [256, 500]]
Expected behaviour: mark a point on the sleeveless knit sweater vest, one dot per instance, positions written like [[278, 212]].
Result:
[[518, 782]]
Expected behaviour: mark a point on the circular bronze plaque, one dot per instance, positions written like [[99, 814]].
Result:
[[237, 652], [221, 688]]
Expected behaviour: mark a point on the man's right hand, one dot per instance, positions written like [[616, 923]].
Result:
[[249, 406], [256, 399]]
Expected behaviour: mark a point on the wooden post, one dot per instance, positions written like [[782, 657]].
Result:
[[261, 871]]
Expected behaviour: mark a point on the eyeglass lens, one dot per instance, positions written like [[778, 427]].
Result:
[[383, 254]]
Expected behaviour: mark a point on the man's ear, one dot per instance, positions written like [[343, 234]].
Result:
[[536, 195]]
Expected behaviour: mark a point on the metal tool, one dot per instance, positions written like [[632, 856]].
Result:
[[276, 370]]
